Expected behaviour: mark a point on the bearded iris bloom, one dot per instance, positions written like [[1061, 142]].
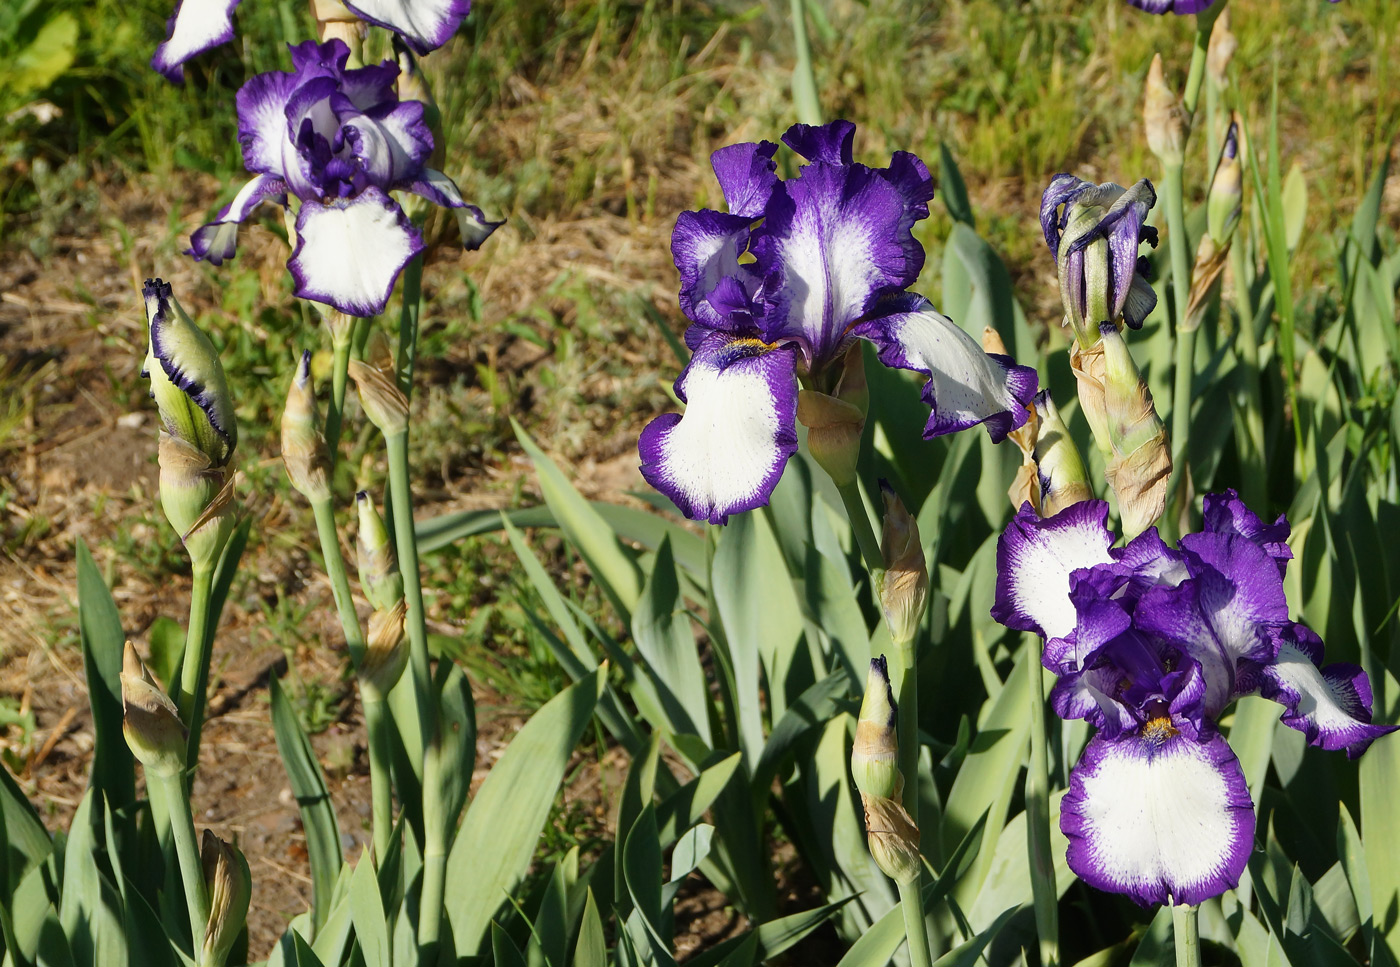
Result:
[[1150, 645], [1176, 6], [338, 140], [200, 25], [778, 289], [1094, 232]]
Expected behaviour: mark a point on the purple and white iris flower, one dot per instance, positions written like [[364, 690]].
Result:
[[1074, 215], [200, 25], [338, 140], [778, 288], [1176, 6], [1150, 644]]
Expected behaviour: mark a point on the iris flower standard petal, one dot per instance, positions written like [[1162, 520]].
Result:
[[1160, 816], [808, 266], [200, 25], [339, 140], [726, 453]]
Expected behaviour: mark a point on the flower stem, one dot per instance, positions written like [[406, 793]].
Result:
[[194, 665], [340, 347], [911, 901], [176, 811], [1186, 930], [401, 507], [866, 540], [804, 81], [340, 583], [1205, 20], [1043, 887], [411, 294], [1185, 339], [904, 682], [380, 781]]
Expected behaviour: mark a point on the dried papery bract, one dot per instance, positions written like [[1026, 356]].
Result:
[[836, 420], [303, 445], [1141, 461], [904, 584], [1024, 486], [335, 21], [150, 722], [1087, 365], [386, 652], [383, 402], [230, 887], [893, 838]]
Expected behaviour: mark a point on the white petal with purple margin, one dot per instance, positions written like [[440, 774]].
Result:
[[196, 26], [726, 453], [216, 241], [966, 385], [1331, 705], [1162, 820], [425, 24], [1035, 559], [350, 250]]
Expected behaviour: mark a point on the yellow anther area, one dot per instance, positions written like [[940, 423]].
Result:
[[1159, 730]]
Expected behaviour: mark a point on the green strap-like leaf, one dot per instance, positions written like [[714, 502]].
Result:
[[317, 814], [591, 949], [497, 839], [367, 914], [100, 628], [661, 628]]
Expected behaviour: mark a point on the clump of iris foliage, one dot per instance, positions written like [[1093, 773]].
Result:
[[1183, 501]]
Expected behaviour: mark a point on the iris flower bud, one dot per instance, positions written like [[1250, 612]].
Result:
[[904, 585], [383, 402], [835, 421], [230, 887], [1226, 189], [875, 752], [380, 579], [334, 21], [1062, 478], [1163, 116], [893, 838], [1141, 461], [1221, 49], [199, 430], [385, 655], [150, 721], [303, 445]]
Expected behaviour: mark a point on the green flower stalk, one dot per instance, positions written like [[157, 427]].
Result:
[[230, 887]]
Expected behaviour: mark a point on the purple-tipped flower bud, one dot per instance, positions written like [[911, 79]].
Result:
[[230, 887], [1226, 190], [1060, 470], [380, 579], [836, 420], [303, 445], [150, 721], [1141, 461], [904, 585], [875, 752], [1163, 116]]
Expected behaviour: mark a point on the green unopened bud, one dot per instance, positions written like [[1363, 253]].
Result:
[[875, 752], [836, 420], [1221, 50], [385, 655], [303, 445], [893, 839], [1062, 478], [904, 585], [150, 722], [380, 579], [380, 397], [1226, 190], [1163, 116], [187, 379], [230, 887], [1141, 461]]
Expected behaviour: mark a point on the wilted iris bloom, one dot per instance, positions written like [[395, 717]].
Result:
[[200, 25], [339, 140], [1094, 231], [778, 289], [1151, 644]]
